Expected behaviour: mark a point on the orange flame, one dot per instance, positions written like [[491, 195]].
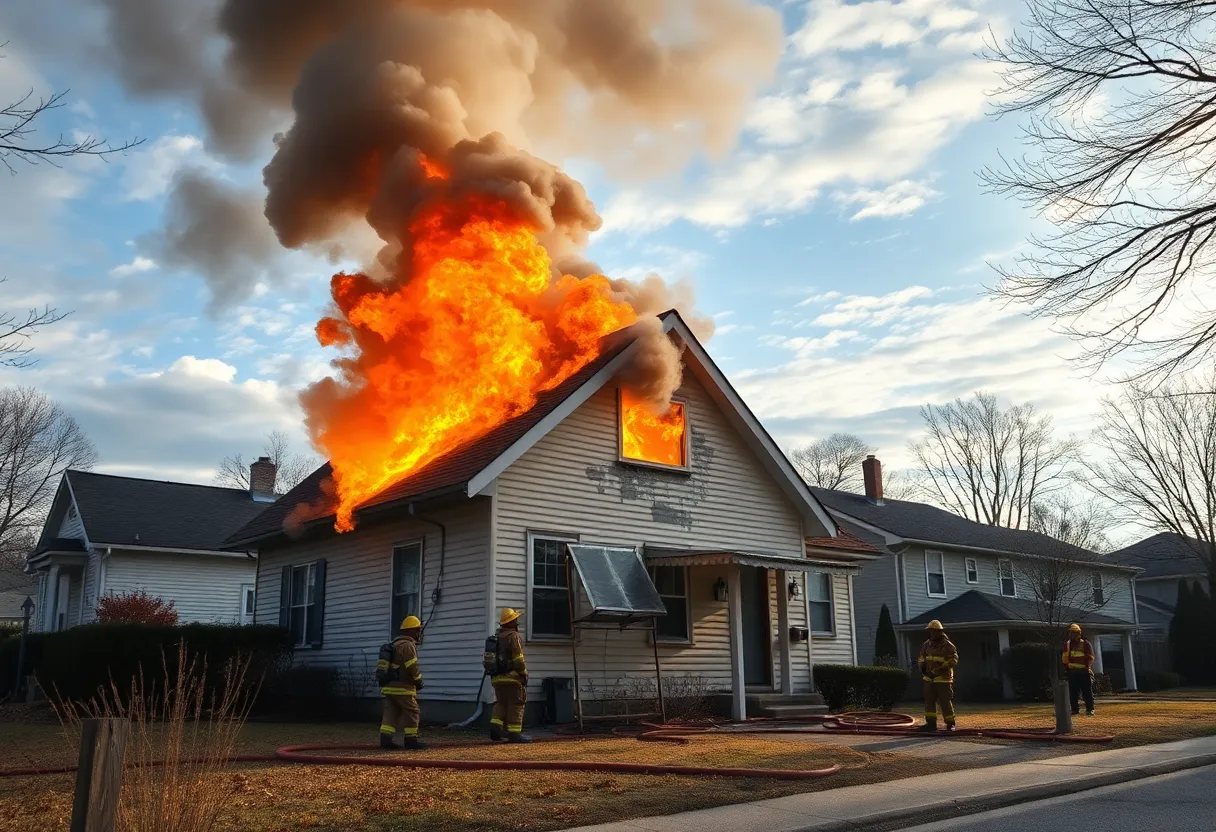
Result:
[[478, 329], [648, 437]]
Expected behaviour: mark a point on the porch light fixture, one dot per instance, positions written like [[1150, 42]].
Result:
[[795, 589], [720, 590]]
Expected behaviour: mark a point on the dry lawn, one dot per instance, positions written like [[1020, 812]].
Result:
[[1131, 722]]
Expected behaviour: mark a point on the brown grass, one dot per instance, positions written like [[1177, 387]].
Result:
[[1131, 722]]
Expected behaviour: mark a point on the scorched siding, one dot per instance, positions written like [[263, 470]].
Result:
[[571, 483], [358, 597], [203, 588]]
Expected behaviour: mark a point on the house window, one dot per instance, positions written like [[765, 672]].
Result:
[[549, 615], [1098, 589], [303, 598], [1008, 588], [248, 603], [973, 571], [407, 583], [651, 439], [819, 599], [935, 574], [672, 583]]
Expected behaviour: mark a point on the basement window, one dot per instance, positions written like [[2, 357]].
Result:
[[650, 439]]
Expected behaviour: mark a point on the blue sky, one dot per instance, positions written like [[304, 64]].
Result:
[[840, 245]]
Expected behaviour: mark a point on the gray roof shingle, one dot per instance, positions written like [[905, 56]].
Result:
[[918, 521], [174, 515], [1163, 555], [975, 607]]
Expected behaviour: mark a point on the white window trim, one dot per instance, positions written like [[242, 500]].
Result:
[[687, 610], [1000, 578], [620, 437], [831, 602], [292, 605], [395, 626], [942, 556], [968, 563], [561, 537], [240, 613]]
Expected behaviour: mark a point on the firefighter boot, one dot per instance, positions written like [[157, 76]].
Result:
[[928, 727], [518, 738], [413, 744], [386, 741], [497, 734]]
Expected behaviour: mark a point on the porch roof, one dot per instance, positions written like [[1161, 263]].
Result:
[[664, 556], [977, 610]]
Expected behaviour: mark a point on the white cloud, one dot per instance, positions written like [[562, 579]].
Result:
[[835, 26], [875, 310], [139, 264], [896, 200], [148, 172]]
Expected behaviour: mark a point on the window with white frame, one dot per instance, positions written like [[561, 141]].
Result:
[[549, 614], [935, 574], [248, 603], [407, 583], [819, 599], [672, 584], [973, 571], [1099, 591], [303, 598], [1005, 568]]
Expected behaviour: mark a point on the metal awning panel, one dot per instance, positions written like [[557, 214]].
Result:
[[616, 582], [659, 556]]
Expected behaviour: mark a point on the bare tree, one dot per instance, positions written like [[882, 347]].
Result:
[[1065, 588], [16, 329], [1121, 96], [832, 462], [1079, 522], [292, 467], [901, 484], [990, 464], [1159, 466], [38, 442]]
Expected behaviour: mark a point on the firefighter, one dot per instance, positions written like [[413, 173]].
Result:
[[510, 680], [1078, 659], [400, 689], [938, 658]]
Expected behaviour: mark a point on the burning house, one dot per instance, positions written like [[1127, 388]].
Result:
[[754, 575]]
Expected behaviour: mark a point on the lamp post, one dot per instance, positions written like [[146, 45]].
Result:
[[27, 608]]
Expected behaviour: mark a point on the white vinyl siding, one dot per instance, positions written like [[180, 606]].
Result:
[[358, 597], [571, 481], [204, 588], [837, 648], [935, 574], [876, 584]]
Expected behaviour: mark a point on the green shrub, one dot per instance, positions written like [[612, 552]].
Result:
[[886, 648], [301, 692], [1028, 667], [872, 688], [1102, 685], [74, 664], [1149, 681], [8, 659], [987, 689]]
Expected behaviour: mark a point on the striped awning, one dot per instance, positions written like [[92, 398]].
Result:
[[664, 556]]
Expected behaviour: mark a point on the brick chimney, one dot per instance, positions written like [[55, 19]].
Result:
[[871, 470], [261, 479]]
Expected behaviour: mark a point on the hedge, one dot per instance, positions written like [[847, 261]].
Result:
[[1028, 667], [872, 688], [76, 663], [1149, 681]]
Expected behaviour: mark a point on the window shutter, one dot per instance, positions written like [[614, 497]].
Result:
[[285, 599], [317, 624]]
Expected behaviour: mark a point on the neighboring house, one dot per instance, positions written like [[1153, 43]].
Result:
[[485, 527], [971, 577], [1166, 558], [14, 589], [107, 535]]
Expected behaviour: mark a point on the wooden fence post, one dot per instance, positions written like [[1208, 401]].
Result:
[[103, 743]]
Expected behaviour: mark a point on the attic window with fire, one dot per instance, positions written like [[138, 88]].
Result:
[[648, 438]]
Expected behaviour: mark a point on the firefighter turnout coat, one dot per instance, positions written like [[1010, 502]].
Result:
[[1078, 655], [405, 664], [937, 660]]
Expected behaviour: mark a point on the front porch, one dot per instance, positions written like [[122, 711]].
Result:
[[59, 565]]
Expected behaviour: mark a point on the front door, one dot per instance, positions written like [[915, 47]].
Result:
[[756, 649]]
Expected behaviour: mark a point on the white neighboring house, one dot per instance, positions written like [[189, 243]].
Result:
[[106, 535], [754, 574]]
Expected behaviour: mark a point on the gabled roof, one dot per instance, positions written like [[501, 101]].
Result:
[[60, 544], [923, 523], [845, 542], [975, 607], [471, 467], [126, 511], [1164, 555]]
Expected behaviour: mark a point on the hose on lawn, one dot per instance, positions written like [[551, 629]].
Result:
[[885, 724]]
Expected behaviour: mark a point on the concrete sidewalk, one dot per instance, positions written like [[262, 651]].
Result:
[[900, 803]]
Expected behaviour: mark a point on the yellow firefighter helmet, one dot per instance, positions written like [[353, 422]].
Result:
[[411, 622], [934, 625], [508, 615], [1074, 628]]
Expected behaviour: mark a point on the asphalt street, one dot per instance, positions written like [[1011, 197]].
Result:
[[1185, 800]]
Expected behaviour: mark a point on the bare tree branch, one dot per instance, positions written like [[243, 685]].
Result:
[[291, 467], [1121, 96], [1082, 523], [989, 464], [833, 462], [16, 330]]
